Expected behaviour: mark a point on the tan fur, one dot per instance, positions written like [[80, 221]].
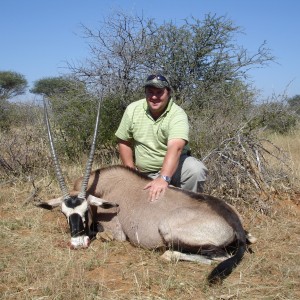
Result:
[[181, 220]]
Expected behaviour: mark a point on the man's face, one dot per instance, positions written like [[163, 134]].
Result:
[[157, 100]]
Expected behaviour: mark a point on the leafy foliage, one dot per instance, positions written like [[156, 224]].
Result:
[[11, 84], [74, 114], [198, 56], [5, 120], [72, 108], [55, 86], [112, 110], [294, 103], [274, 116]]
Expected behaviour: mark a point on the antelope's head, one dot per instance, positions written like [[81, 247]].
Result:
[[75, 207]]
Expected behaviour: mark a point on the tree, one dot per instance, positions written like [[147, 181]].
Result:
[[206, 69], [55, 85], [198, 56], [11, 84], [118, 51], [73, 111], [208, 73]]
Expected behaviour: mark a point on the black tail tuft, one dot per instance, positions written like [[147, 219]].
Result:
[[225, 268]]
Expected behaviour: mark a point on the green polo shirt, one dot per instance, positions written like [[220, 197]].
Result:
[[149, 136]]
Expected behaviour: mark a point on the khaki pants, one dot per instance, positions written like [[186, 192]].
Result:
[[190, 174]]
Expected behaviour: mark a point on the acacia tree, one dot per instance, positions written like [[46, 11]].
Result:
[[54, 85], [11, 84]]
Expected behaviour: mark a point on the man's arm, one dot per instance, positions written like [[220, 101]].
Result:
[[126, 153], [170, 164]]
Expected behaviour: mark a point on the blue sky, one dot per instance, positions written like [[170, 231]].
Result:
[[39, 36]]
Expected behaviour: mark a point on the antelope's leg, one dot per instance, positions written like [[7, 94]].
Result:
[[176, 256]]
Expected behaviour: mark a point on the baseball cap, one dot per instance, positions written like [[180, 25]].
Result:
[[158, 81]]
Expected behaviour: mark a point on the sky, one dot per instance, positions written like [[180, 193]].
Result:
[[39, 37]]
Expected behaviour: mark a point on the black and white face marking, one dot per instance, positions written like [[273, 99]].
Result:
[[73, 204], [76, 211]]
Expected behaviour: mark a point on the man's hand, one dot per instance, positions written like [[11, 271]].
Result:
[[157, 188]]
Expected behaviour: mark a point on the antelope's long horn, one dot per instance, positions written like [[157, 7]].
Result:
[[57, 167], [89, 163]]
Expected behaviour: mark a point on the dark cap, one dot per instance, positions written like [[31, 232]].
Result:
[[158, 81]]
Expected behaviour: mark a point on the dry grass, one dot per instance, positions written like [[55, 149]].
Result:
[[36, 264], [291, 145]]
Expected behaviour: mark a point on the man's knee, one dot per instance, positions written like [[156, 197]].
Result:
[[193, 175], [196, 169]]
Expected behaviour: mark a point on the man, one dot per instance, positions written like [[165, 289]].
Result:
[[153, 137]]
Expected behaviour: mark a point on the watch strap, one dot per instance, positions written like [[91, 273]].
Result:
[[166, 178]]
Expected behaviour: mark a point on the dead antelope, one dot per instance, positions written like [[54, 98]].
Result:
[[179, 221]]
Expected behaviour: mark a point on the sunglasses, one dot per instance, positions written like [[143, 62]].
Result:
[[158, 77]]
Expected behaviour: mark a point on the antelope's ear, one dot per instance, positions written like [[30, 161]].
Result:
[[51, 203], [92, 200]]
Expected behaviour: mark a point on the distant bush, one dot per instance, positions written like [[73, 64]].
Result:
[[294, 104], [5, 120], [24, 147], [276, 117]]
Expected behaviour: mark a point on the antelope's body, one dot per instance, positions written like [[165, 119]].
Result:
[[184, 221]]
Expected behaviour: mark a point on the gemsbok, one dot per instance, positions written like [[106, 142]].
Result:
[[187, 225]]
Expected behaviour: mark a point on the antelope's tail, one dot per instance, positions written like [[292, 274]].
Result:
[[225, 268]]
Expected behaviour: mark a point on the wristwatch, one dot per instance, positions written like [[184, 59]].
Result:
[[166, 178]]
